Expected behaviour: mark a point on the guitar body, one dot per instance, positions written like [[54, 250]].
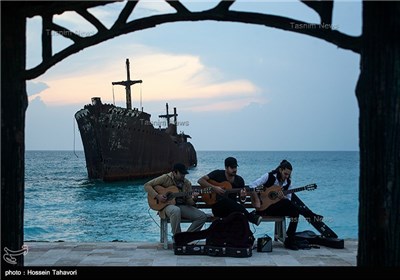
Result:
[[169, 192], [270, 196], [275, 193], [210, 197]]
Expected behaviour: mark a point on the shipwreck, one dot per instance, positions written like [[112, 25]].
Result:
[[123, 144]]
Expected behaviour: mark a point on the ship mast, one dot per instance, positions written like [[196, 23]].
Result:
[[128, 83], [168, 116]]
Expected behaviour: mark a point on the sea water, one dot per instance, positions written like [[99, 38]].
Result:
[[62, 204]]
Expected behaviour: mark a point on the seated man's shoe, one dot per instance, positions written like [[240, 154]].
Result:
[[290, 244]]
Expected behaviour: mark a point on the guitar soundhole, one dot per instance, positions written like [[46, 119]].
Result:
[[272, 195]]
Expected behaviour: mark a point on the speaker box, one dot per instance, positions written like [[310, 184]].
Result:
[[264, 244]]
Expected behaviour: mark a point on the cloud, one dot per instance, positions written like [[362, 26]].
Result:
[[37, 103], [151, 7], [224, 105], [178, 76], [33, 88]]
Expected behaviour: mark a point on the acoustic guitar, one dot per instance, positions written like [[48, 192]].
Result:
[[171, 193], [210, 197], [275, 193]]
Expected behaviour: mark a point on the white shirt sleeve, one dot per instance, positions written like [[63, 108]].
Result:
[[289, 196], [260, 181]]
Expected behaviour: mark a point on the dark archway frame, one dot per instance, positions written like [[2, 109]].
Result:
[[378, 95]]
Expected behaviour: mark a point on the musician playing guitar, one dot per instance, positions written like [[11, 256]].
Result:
[[225, 204], [282, 206], [179, 207]]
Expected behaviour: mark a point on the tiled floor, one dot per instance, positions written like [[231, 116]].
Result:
[[124, 254]]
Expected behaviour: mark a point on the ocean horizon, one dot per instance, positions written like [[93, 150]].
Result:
[[62, 204]]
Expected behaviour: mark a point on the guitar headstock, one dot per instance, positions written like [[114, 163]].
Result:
[[310, 187]]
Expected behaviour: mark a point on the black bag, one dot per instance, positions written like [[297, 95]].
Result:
[[313, 239], [231, 231], [230, 236]]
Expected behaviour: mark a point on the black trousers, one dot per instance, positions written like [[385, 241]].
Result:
[[226, 206], [285, 207]]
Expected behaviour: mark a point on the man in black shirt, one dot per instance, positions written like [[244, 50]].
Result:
[[227, 201]]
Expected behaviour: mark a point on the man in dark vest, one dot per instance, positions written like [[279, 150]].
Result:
[[280, 176]]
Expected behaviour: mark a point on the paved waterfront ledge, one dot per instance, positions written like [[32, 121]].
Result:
[[128, 260], [127, 254]]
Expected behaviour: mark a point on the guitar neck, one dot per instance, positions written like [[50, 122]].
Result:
[[248, 189], [308, 187], [180, 194]]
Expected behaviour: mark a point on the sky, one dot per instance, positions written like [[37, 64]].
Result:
[[236, 87]]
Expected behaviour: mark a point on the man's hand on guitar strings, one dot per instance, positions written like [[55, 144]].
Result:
[[218, 190], [161, 197], [243, 194]]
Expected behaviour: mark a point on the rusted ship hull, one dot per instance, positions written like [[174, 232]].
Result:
[[122, 144]]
